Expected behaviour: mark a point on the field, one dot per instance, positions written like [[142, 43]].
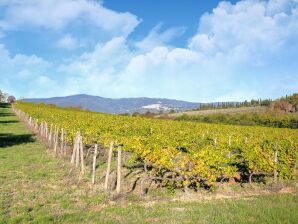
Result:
[[256, 109], [191, 154], [36, 187]]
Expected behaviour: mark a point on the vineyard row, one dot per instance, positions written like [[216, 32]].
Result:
[[186, 153]]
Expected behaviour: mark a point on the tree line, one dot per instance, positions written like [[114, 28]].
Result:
[[246, 103]]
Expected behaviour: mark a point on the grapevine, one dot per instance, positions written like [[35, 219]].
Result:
[[195, 152]]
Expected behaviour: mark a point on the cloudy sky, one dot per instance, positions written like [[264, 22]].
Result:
[[195, 50]]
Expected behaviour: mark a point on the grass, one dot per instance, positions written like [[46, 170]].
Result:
[[35, 187], [256, 109]]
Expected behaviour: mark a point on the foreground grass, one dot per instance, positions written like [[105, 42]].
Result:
[[37, 188]]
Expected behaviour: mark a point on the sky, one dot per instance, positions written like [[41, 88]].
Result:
[[194, 50]]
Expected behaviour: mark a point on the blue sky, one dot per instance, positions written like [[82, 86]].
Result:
[[195, 50]]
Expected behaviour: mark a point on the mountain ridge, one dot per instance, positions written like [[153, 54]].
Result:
[[117, 105]]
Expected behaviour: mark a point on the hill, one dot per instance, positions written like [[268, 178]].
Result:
[[117, 106], [126, 105]]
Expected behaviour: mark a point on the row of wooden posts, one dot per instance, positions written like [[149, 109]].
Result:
[[55, 139]]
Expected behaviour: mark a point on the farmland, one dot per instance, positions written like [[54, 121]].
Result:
[[36, 187], [255, 109], [192, 154]]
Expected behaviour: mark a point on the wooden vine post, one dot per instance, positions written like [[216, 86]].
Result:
[[29, 122], [36, 125], [62, 141], [45, 130], [50, 136], [65, 143], [118, 187], [55, 140], [82, 155], [77, 157], [94, 164], [40, 130], [275, 163], [109, 166], [78, 152], [74, 151]]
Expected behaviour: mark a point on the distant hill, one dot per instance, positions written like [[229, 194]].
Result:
[[118, 106]]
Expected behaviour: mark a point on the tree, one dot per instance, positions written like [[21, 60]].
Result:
[[282, 105], [2, 96], [11, 99]]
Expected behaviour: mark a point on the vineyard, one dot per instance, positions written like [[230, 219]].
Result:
[[182, 154]]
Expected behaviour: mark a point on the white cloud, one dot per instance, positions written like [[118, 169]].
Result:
[[157, 38], [228, 56], [19, 59], [280, 6], [112, 55], [69, 42], [248, 31], [241, 50], [20, 74], [56, 14], [97, 71]]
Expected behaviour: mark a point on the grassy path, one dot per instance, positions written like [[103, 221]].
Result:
[[37, 188]]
